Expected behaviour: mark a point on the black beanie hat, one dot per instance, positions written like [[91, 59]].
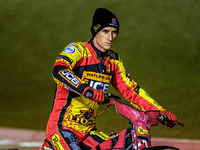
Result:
[[103, 18]]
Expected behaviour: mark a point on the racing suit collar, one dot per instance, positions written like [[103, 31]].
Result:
[[100, 55]]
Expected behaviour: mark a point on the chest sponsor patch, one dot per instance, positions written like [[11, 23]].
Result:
[[96, 80], [70, 50], [96, 76]]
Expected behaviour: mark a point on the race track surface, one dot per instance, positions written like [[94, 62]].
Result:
[[31, 140]]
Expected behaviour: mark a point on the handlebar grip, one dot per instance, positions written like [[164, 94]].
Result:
[[89, 94], [163, 118]]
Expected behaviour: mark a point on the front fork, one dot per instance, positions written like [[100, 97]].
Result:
[[138, 142]]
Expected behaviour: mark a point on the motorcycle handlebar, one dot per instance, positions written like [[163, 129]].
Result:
[[162, 117], [110, 96]]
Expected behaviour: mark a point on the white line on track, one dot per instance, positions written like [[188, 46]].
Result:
[[8, 142], [30, 144]]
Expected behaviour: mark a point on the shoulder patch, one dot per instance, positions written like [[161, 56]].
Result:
[[112, 54], [77, 47], [70, 49]]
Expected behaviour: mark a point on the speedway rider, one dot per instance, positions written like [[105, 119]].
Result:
[[84, 68]]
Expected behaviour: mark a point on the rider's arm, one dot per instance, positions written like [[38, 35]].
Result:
[[130, 90], [62, 70], [64, 76]]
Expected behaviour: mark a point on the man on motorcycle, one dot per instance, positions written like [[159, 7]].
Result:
[[85, 69]]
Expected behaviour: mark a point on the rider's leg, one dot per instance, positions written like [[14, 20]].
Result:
[[62, 140], [94, 138]]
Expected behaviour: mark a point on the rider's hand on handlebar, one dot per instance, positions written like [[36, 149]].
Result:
[[169, 117], [99, 97], [94, 94]]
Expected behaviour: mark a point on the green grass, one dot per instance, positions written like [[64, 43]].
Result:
[[158, 42]]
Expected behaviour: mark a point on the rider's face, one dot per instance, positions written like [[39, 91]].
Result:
[[105, 38]]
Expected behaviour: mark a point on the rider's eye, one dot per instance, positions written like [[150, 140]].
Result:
[[105, 31]]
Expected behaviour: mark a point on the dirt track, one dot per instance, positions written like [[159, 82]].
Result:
[[32, 140]]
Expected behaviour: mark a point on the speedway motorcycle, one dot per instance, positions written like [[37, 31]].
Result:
[[138, 136]]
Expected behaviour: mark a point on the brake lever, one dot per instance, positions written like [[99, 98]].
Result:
[[110, 96]]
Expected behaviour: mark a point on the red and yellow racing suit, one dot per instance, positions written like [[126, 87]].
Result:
[[78, 67]]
